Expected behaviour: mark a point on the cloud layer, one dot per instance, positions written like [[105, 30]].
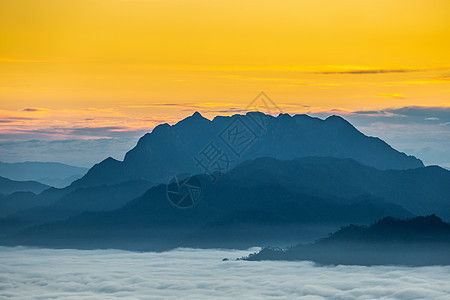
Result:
[[201, 274], [78, 152], [422, 131]]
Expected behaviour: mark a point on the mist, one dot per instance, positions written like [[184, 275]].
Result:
[[202, 274]]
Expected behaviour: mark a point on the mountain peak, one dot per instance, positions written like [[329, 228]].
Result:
[[110, 159], [336, 118], [284, 116], [197, 115], [340, 121]]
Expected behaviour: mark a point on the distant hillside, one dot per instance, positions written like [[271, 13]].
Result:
[[16, 202], [416, 242], [264, 200], [273, 205], [21, 210], [170, 150], [229, 212], [49, 173], [422, 191], [8, 186]]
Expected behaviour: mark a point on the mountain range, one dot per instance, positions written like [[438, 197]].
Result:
[[269, 180], [261, 201], [21, 210], [8, 186], [170, 150], [49, 173]]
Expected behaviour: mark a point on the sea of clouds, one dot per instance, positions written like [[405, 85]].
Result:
[[27, 273]]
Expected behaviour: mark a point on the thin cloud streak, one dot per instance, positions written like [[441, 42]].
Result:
[[23, 60], [93, 122], [373, 71], [391, 95]]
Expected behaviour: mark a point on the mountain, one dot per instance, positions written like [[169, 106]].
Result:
[[16, 202], [429, 229], [262, 201], [8, 186], [422, 190], [416, 242], [23, 210], [24, 200], [228, 141], [151, 223], [60, 182], [274, 204], [49, 173]]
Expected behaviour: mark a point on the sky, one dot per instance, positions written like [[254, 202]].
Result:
[[201, 274], [81, 80]]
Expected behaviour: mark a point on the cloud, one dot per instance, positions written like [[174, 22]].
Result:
[[201, 274], [439, 79], [414, 114], [369, 71], [443, 77], [21, 60], [289, 81], [78, 152], [307, 69], [88, 123], [10, 119], [418, 112], [33, 109], [392, 95]]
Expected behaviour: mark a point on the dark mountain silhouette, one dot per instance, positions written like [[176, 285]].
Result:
[[58, 182], [416, 242], [8, 186], [170, 150], [421, 191], [391, 230], [49, 173], [16, 202], [253, 203], [274, 193], [24, 200], [39, 209], [233, 212]]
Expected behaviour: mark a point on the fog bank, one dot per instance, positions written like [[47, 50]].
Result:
[[201, 274]]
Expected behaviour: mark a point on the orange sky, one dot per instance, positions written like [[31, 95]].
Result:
[[128, 65]]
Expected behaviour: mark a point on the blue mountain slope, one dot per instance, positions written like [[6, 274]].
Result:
[[49, 173], [261, 201], [8, 186], [169, 150]]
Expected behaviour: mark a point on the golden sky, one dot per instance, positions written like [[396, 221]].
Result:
[[131, 64]]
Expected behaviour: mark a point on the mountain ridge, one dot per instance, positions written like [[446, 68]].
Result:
[[8, 186], [262, 199], [53, 174], [171, 149]]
